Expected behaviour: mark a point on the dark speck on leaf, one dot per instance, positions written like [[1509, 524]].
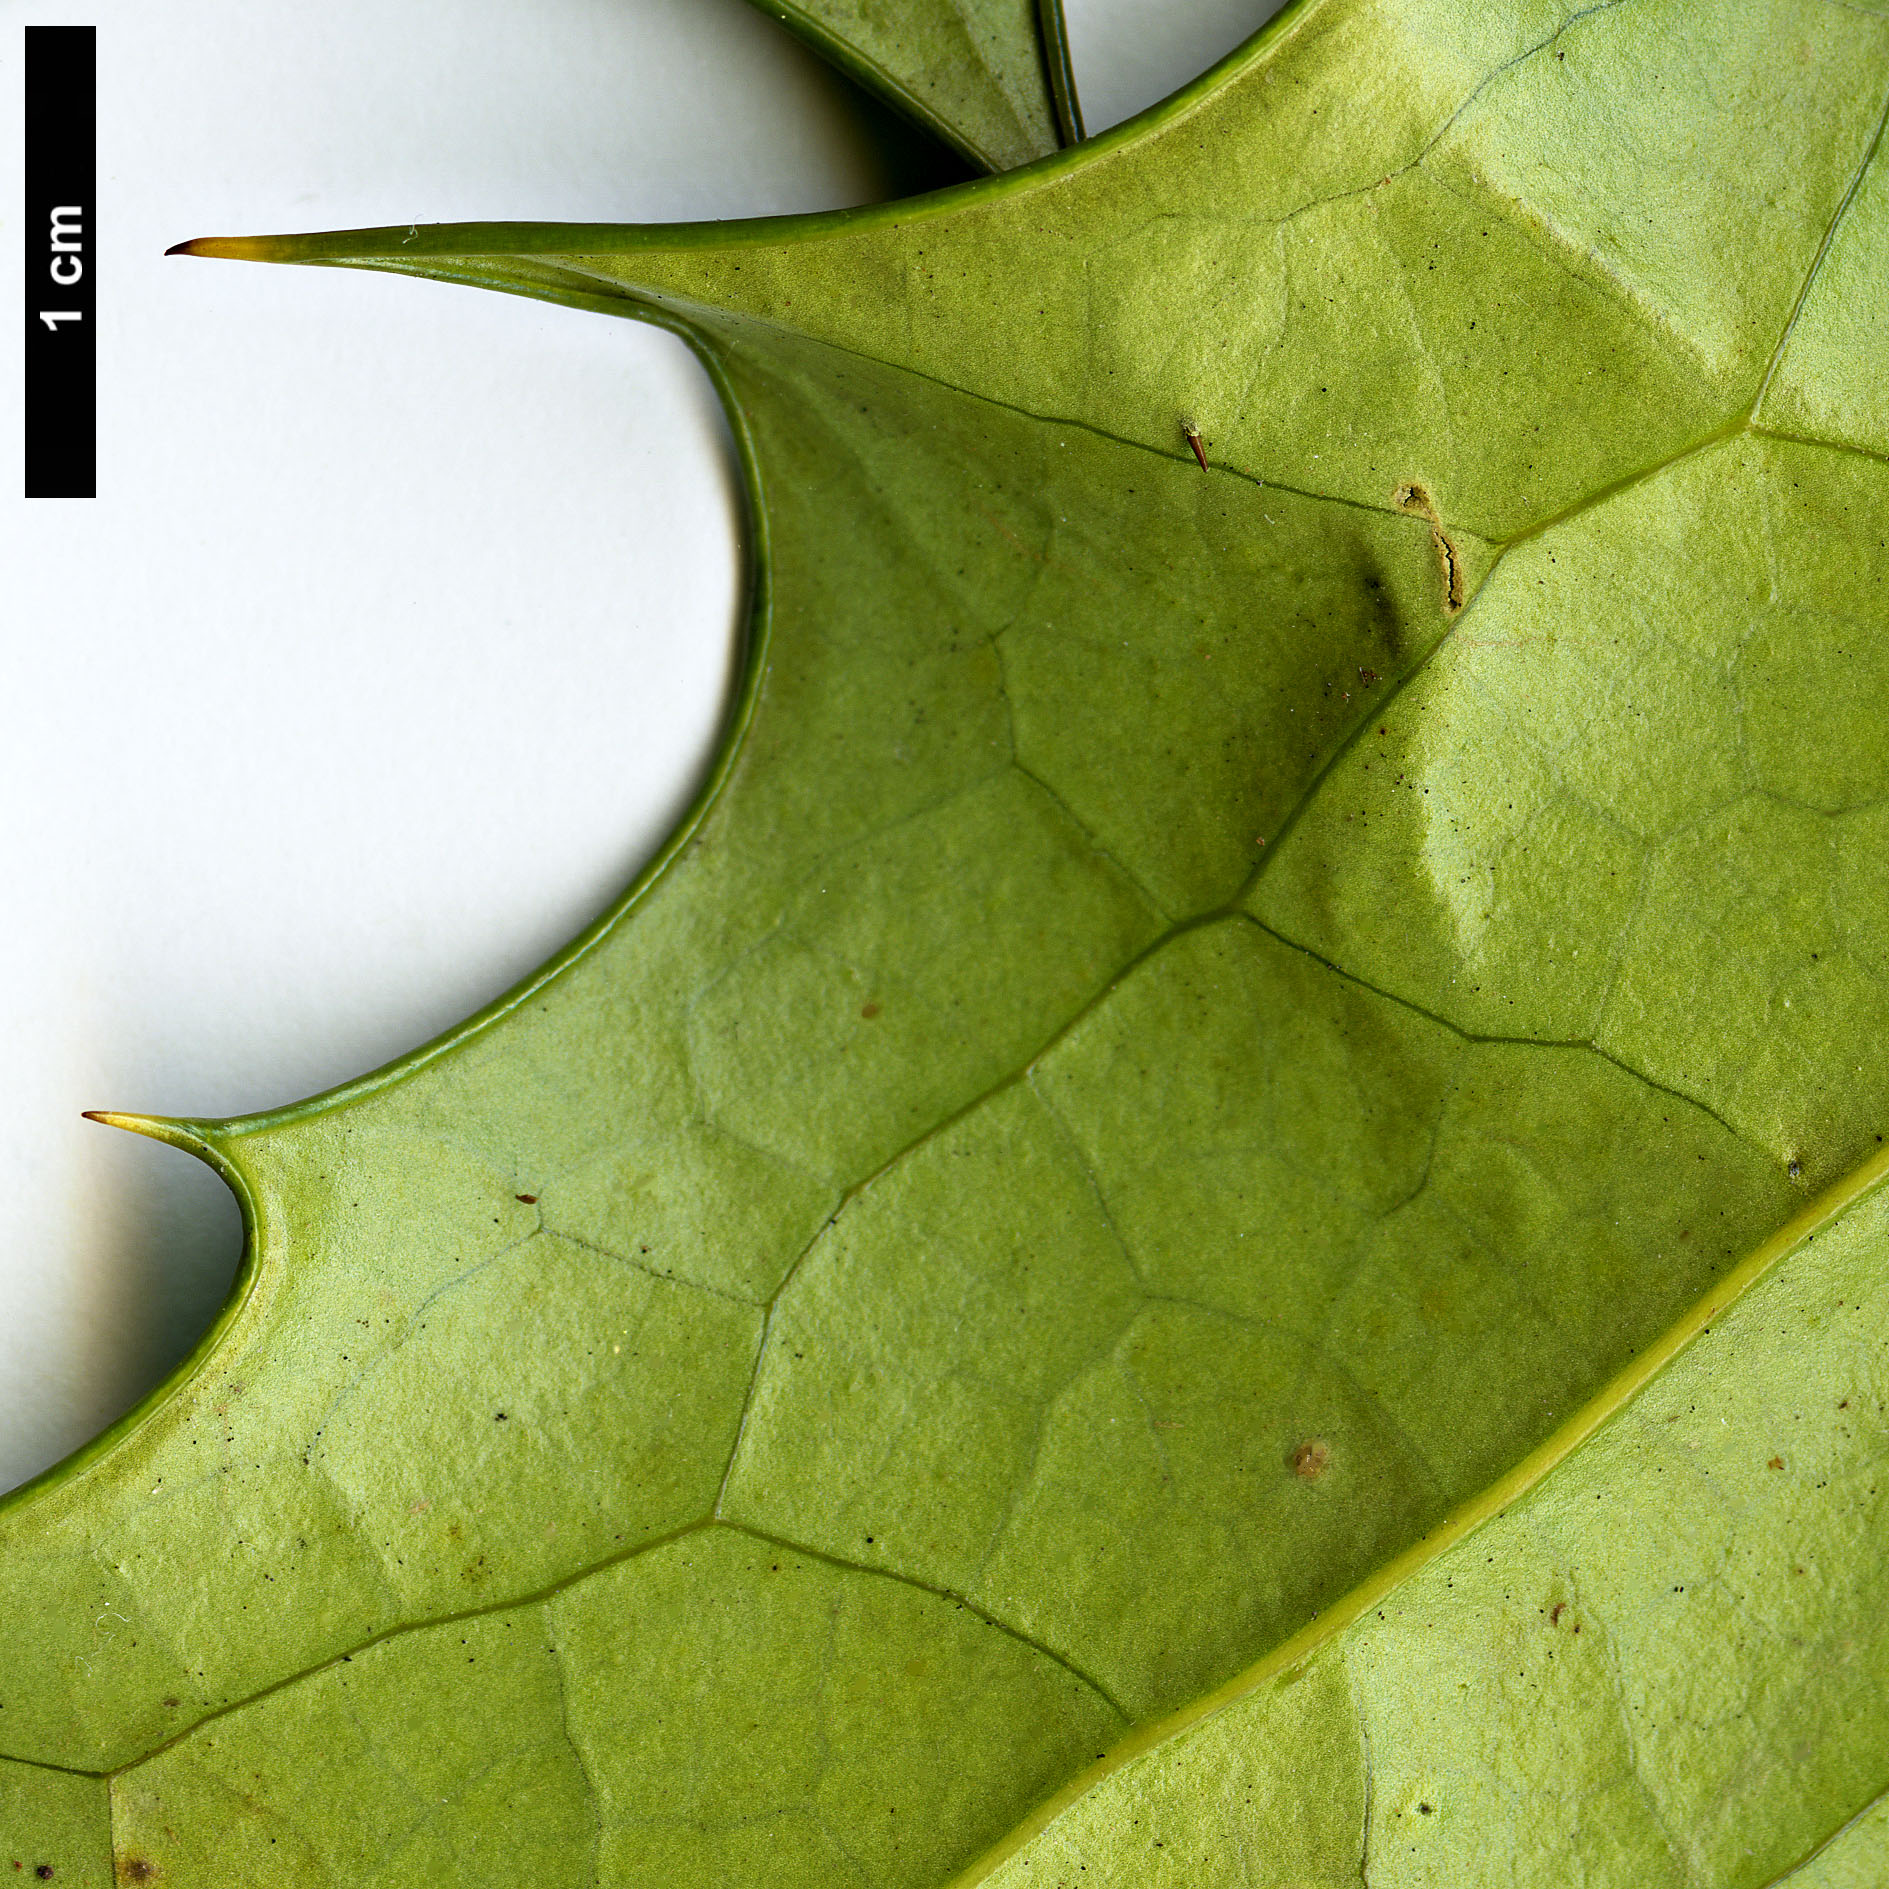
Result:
[[869, 1011], [1424, 1810], [44, 1872], [498, 1416], [1795, 1169]]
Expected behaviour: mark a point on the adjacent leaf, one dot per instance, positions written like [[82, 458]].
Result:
[[1204, 1012], [990, 77]]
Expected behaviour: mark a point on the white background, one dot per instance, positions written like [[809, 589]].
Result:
[[400, 629]]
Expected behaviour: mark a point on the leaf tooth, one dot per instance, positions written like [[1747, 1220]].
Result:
[[193, 1137], [236, 248], [158, 1127]]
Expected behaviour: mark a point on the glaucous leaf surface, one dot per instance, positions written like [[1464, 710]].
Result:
[[1204, 1013], [989, 77]]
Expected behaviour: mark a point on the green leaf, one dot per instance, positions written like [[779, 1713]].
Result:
[[1203, 1016], [1651, 1655], [990, 77]]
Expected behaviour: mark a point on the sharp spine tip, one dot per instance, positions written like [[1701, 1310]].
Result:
[[158, 1127], [231, 248], [115, 1118]]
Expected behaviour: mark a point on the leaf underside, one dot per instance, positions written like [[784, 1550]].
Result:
[[1085, 1204]]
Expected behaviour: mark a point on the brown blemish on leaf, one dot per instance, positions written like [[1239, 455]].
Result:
[[1309, 1459], [137, 1869], [1004, 531], [1415, 499], [1555, 1612], [1776, 1462], [869, 1011]]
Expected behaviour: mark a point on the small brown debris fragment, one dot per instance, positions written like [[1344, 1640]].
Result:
[[1555, 1612], [869, 1011], [530, 1200], [1366, 677], [1310, 1458], [1776, 1462], [1193, 439], [1415, 499]]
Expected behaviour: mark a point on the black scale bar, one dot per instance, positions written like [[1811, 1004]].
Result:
[[61, 279]]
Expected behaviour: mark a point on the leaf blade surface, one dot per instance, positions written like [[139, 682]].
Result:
[[1204, 1011], [1605, 1670]]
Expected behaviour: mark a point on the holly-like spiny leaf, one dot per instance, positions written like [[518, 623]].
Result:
[[1204, 1012]]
